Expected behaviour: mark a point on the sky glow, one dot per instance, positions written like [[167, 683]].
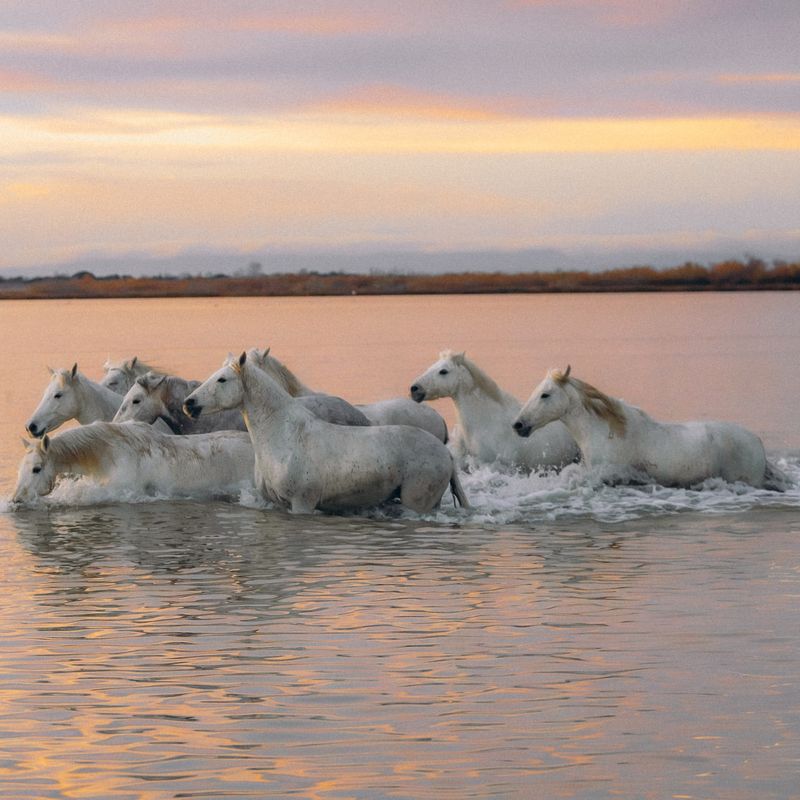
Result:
[[611, 126]]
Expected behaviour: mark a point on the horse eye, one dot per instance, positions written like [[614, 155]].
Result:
[[545, 395], [136, 401], [36, 470], [443, 371], [58, 395], [222, 380]]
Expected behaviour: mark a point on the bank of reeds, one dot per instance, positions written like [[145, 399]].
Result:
[[752, 274]]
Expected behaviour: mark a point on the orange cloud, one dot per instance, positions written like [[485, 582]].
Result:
[[184, 137], [397, 101]]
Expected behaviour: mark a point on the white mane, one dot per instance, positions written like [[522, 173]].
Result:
[[481, 379], [593, 400]]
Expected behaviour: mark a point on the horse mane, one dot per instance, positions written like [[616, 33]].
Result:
[[482, 379], [596, 402], [282, 375], [124, 365], [88, 446], [176, 387], [84, 447]]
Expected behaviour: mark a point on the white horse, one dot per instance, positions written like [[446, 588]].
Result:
[[120, 375], [394, 411], [485, 413], [622, 440], [303, 462], [139, 459], [156, 397], [71, 395]]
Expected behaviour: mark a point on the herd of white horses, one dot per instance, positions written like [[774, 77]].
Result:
[[255, 425]]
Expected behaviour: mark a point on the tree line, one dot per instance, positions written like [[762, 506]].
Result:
[[729, 275]]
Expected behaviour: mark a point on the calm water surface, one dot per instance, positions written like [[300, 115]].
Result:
[[563, 640]]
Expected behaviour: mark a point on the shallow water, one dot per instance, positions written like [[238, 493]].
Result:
[[563, 639]]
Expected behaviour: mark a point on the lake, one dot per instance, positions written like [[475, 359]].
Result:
[[562, 639]]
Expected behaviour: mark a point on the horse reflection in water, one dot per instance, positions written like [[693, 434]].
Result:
[[623, 441], [139, 460]]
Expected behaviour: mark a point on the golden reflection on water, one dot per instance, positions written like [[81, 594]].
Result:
[[337, 658], [167, 650]]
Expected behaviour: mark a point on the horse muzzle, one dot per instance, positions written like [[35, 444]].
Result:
[[417, 393], [522, 429], [35, 430], [192, 408]]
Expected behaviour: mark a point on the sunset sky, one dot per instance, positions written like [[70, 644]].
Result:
[[167, 128]]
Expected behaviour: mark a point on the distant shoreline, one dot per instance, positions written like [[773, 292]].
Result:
[[750, 275]]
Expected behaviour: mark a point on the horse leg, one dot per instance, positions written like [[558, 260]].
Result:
[[422, 493]]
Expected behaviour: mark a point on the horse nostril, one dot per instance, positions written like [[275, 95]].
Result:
[[517, 426], [32, 428], [189, 402]]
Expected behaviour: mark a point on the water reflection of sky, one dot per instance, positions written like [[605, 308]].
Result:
[[159, 650]]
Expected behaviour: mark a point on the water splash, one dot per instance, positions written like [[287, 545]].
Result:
[[501, 498]]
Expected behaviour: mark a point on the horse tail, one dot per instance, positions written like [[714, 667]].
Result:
[[458, 490], [775, 480]]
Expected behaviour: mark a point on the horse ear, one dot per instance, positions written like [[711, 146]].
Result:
[[567, 371], [133, 361], [51, 370], [74, 370], [154, 380], [266, 352], [45, 443], [242, 358], [27, 444]]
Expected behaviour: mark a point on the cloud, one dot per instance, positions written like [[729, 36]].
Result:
[[769, 77]]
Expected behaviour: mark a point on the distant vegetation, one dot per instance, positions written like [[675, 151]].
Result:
[[751, 274]]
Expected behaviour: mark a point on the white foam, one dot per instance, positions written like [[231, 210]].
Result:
[[502, 498]]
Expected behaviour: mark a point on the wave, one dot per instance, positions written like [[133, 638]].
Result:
[[499, 498]]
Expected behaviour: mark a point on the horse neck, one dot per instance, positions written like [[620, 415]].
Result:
[[96, 402], [84, 456], [262, 397], [481, 403], [591, 432]]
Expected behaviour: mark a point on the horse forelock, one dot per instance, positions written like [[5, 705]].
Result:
[[598, 403]]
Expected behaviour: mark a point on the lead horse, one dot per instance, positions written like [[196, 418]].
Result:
[[394, 411], [304, 463], [625, 442]]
